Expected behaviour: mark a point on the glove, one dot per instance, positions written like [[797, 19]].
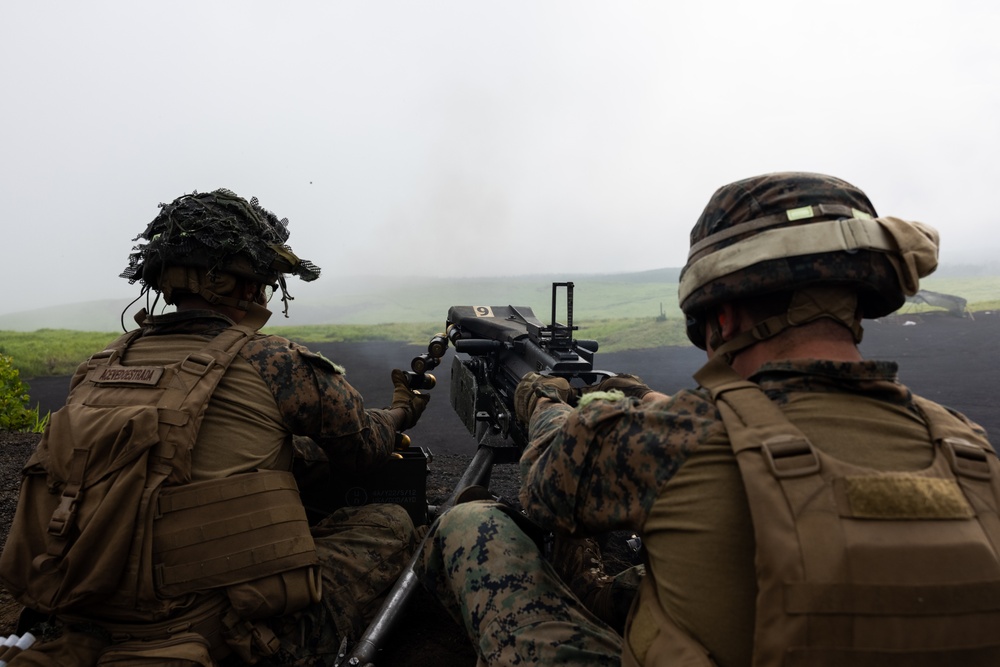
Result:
[[630, 385], [532, 387], [412, 403]]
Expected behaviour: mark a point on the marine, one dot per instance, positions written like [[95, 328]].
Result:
[[799, 507], [160, 520]]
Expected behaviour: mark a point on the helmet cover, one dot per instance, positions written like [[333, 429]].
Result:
[[756, 206], [217, 231]]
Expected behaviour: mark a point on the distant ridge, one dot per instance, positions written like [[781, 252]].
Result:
[[103, 315], [380, 299]]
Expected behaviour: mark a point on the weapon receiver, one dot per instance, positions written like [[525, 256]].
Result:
[[502, 344]]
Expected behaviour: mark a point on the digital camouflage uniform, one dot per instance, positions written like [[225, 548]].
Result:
[[491, 578], [275, 390], [666, 470]]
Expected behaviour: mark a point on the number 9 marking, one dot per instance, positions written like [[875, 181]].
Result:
[[483, 311]]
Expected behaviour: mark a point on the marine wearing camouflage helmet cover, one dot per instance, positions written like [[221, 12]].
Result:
[[742, 246], [216, 232]]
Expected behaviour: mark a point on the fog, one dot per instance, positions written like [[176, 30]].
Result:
[[447, 138]]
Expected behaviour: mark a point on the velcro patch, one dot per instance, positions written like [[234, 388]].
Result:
[[905, 497], [142, 375], [319, 360], [590, 397]]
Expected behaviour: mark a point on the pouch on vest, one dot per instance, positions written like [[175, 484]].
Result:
[[79, 539], [246, 533], [863, 567], [64, 549]]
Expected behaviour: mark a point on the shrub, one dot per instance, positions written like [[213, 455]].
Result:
[[14, 412]]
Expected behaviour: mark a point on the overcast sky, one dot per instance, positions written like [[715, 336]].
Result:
[[491, 138]]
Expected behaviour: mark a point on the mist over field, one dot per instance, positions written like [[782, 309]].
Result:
[[461, 140], [380, 300]]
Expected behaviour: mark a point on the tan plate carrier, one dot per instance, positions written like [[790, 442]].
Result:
[[856, 566], [110, 529]]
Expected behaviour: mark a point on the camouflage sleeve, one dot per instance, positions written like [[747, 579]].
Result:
[[315, 400], [599, 467]]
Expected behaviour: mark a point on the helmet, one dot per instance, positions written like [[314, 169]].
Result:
[[783, 232], [210, 234]]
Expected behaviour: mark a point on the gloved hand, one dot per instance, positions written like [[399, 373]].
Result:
[[630, 385], [411, 402], [532, 387]]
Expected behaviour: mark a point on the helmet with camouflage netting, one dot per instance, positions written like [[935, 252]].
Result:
[[199, 237], [792, 232]]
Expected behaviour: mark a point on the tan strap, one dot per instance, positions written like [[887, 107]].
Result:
[[63, 517], [801, 213], [974, 463], [770, 449], [191, 388], [212, 361], [911, 246], [848, 235], [114, 350], [756, 415]]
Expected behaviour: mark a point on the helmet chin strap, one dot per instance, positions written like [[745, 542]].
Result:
[[807, 305]]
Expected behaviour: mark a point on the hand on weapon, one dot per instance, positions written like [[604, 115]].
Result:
[[406, 385], [630, 385], [410, 401], [533, 387]]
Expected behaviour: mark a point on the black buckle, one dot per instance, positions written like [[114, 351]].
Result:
[[790, 456]]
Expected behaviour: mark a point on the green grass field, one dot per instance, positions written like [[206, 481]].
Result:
[[60, 351], [51, 351]]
